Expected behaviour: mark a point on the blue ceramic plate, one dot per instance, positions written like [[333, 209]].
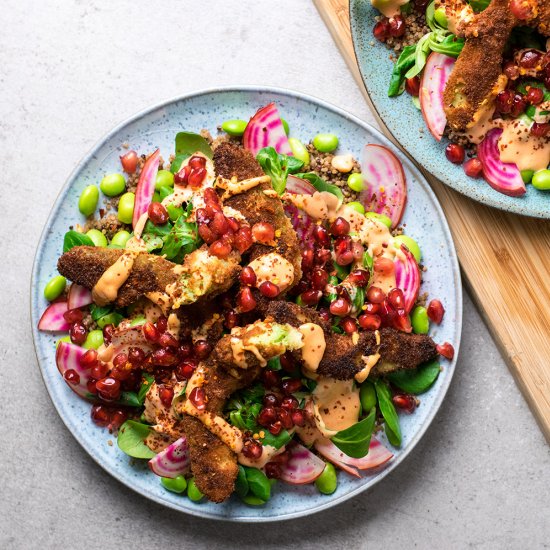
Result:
[[156, 127], [407, 126]]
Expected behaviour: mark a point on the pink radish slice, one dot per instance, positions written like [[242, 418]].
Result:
[[299, 186], [67, 357], [146, 186], [265, 129], [502, 176], [407, 277], [172, 461], [52, 319], [434, 79], [385, 185], [125, 338], [377, 455], [303, 466], [79, 296]]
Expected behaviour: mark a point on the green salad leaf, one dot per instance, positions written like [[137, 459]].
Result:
[[417, 380], [241, 483], [74, 238], [277, 441], [277, 166], [258, 483], [404, 62], [321, 185], [479, 5], [188, 143], [393, 430], [183, 238], [131, 439], [420, 56], [355, 440]]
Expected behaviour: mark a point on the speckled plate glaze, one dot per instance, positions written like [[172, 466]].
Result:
[[407, 126], [156, 127]]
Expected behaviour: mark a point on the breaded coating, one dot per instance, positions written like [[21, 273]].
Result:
[[232, 160], [84, 265], [542, 20]]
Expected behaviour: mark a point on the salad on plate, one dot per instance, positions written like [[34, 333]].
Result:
[[479, 71], [248, 310]]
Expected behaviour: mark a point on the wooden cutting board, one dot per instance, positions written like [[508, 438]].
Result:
[[505, 260]]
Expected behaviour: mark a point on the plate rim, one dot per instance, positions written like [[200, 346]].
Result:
[[452, 256], [514, 206]]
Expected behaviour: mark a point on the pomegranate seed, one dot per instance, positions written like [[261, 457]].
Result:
[[436, 311], [108, 331], [202, 349], [381, 30], [307, 260], [287, 362], [267, 416], [530, 59], [99, 371], [73, 316], [511, 70], [118, 418], [270, 400], [504, 101], [396, 298], [197, 161], [166, 340], [129, 162], [281, 458], [182, 176], [311, 297], [243, 239], [275, 428], [263, 232], [522, 9], [340, 307], [72, 377], [535, 96], [150, 332], [298, 418], [446, 350], [269, 289], [357, 249], [120, 373], [77, 333], [371, 308], [157, 213], [219, 224], [120, 359], [162, 324], [387, 313], [384, 266], [518, 105], [270, 378], [89, 359], [248, 276], [246, 300], [359, 277], [369, 321], [186, 369], [319, 279], [540, 129], [206, 234], [163, 358], [320, 234], [455, 153], [196, 177], [349, 325], [402, 322], [397, 26], [185, 351], [285, 418], [101, 415], [289, 403], [412, 86], [323, 256], [473, 168], [405, 402], [252, 448], [231, 319], [344, 258], [375, 295], [339, 227], [108, 388], [198, 398], [166, 394], [273, 470], [291, 385], [220, 249]]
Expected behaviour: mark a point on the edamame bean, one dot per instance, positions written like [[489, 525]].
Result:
[[355, 182], [441, 17], [527, 175], [93, 340], [126, 207], [419, 320], [285, 126], [165, 178], [234, 127], [176, 485], [253, 500], [174, 211], [97, 237], [367, 395], [325, 143], [380, 217], [113, 185], [541, 180], [327, 482], [87, 202], [357, 206], [55, 287], [192, 491], [120, 239], [299, 150], [411, 244]]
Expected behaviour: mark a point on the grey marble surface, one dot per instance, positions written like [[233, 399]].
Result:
[[69, 71]]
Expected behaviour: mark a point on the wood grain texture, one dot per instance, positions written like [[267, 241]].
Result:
[[505, 260]]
